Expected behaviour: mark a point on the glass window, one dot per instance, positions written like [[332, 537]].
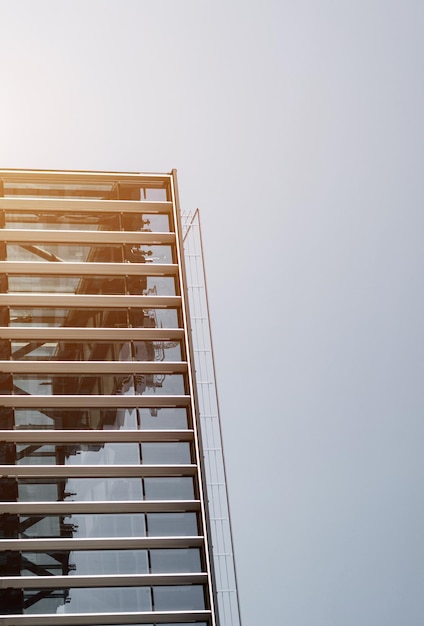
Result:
[[180, 488], [79, 489], [94, 285], [105, 562], [164, 453], [108, 489], [172, 524], [78, 525], [93, 253], [179, 598], [106, 384], [85, 562], [83, 600], [77, 454], [48, 220], [95, 318], [166, 419], [173, 561], [94, 419]]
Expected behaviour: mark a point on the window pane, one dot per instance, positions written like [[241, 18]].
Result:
[[177, 453], [94, 419], [172, 524], [78, 525]]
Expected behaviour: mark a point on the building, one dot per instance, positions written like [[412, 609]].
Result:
[[113, 506]]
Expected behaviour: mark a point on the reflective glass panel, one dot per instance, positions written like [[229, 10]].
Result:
[[93, 253], [86, 600], [164, 453], [172, 524], [86, 489], [101, 600], [94, 350], [106, 384], [84, 562], [77, 525], [180, 488], [179, 598], [102, 562], [153, 222], [94, 285], [77, 454], [94, 419], [96, 318]]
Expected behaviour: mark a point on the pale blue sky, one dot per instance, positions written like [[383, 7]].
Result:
[[296, 127]]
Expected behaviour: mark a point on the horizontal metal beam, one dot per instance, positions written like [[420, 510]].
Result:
[[70, 402], [95, 471], [64, 177], [101, 580], [95, 436], [28, 268], [109, 543], [93, 334], [84, 205], [93, 367], [121, 506], [65, 300], [90, 237], [106, 619]]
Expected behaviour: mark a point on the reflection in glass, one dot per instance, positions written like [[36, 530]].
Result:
[[111, 453], [172, 524], [101, 562], [96, 318], [109, 489], [93, 419], [110, 599], [179, 598], [89, 600], [93, 253], [78, 525], [91, 526], [94, 350], [106, 384], [113, 285], [32, 220], [78, 454]]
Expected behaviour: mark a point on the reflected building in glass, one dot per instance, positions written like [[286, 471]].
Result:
[[113, 505]]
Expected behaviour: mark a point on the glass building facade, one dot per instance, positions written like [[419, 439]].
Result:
[[104, 515]]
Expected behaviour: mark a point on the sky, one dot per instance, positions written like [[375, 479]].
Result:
[[296, 127]]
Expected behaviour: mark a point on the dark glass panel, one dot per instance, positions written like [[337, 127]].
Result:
[[96, 318], [93, 285], [179, 598], [93, 253], [85, 600], [173, 561], [164, 453], [85, 562], [163, 419], [94, 419], [79, 489], [107, 562], [76, 454], [180, 488], [174, 453], [96, 489], [78, 525], [106, 384], [172, 524], [109, 599], [153, 222], [59, 190]]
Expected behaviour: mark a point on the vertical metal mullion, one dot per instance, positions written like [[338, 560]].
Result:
[[194, 401]]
